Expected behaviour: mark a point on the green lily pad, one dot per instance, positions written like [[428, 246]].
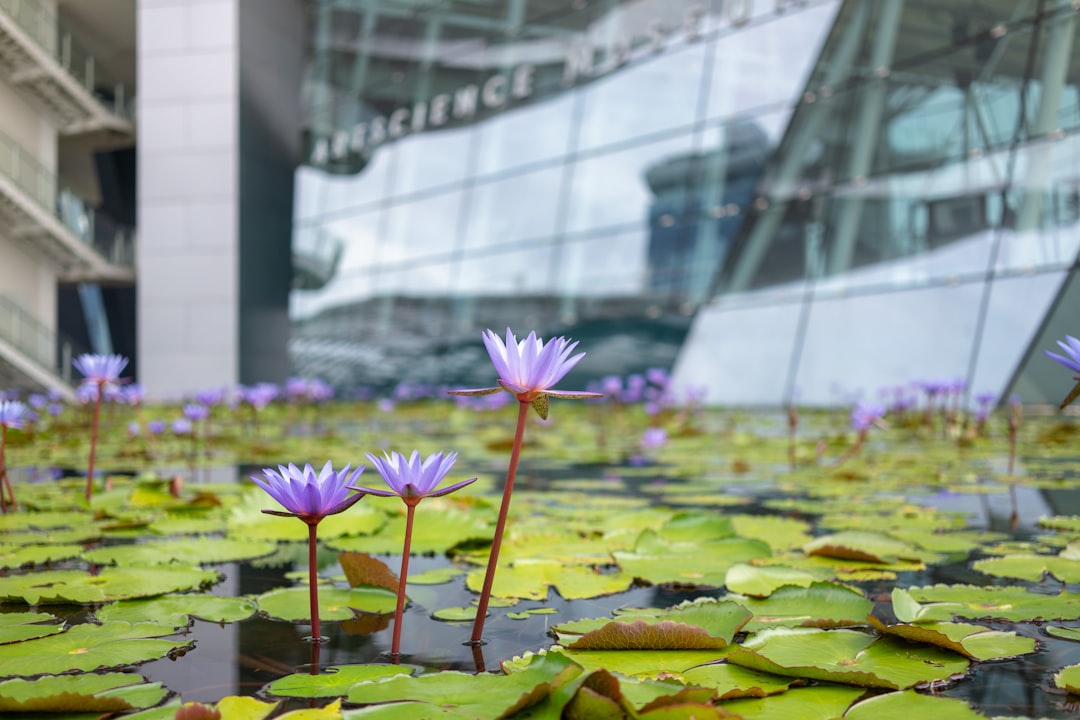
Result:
[[1030, 567], [435, 576], [861, 545], [762, 581], [42, 521], [456, 614], [820, 702], [89, 647], [732, 681], [780, 533], [19, 626], [188, 525], [483, 695], [523, 614], [1068, 678], [530, 580], [821, 604], [707, 565], [14, 556], [89, 692], [700, 624], [333, 681], [944, 602], [294, 604], [1065, 633], [176, 609], [641, 663], [75, 586], [908, 703], [437, 530], [188, 551], [974, 641], [407, 710], [846, 656]]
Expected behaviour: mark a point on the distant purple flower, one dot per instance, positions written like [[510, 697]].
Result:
[[308, 495], [318, 391], [529, 368], [181, 426], [210, 396], [985, 398], [1071, 346], [653, 438], [386, 405], [658, 376], [260, 395], [297, 388], [55, 409], [612, 386], [155, 427], [86, 393], [55, 395], [12, 414], [133, 394], [133, 429], [865, 415], [195, 412], [37, 401], [100, 369], [413, 479]]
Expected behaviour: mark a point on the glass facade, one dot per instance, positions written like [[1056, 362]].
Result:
[[779, 199]]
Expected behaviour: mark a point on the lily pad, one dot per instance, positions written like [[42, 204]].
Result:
[[483, 695], [438, 531], [861, 545], [847, 656], [974, 641], [908, 703], [294, 604], [19, 626], [188, 551], [84, 693], [944, 602], [333, 681], [732, 681], [707, 565], [1030, 567], [821, 604], [90, 647], [75, 586], [820, 702], [1068, 678], [15, 556], [762, 581], [529, 580], [176, 609]]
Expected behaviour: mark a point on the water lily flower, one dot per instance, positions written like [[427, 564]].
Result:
[[311, 497], [527, 370], [1071, 360], [99, 371], [12, 415], [412, 480]]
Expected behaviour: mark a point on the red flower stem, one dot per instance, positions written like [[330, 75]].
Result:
[[4, 472], [93, 445], [313, 584], [395, 646], [500, 526]]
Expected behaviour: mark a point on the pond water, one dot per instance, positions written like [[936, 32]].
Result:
[[745, 474]]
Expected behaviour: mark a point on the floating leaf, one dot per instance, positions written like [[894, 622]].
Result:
[[1065, 633], [188, 551], [442, 530], [522, 615], [846, 656], [1030, 567], [483, 695], [456, 614], [761, 582], [363, 570], [294, 604], [944, 602], [1068, 678], [435, 576], [75, 586], [89, 647], [643, 635], [908, 703], [861, 545], [707, 565], [820, 702], [19, 626], [640, 663], [974, 641], [85, 693], [732, 681], [176, 609], [407, 710], [530, 581], [332, 682], [42, 521], [14, 556], [780, 533], [822, 605]]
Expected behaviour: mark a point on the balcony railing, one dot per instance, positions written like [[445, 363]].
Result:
[[114, 242], [61, 42], [35, 342]]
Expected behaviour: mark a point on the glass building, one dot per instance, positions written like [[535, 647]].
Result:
[[778, 200]]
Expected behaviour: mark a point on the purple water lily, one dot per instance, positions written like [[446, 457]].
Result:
[[412, 480], [12, 415], [311, 497], [1071, 360], [101, 371], [527, 370]]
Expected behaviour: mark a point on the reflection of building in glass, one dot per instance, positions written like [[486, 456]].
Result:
[[832, 196]]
